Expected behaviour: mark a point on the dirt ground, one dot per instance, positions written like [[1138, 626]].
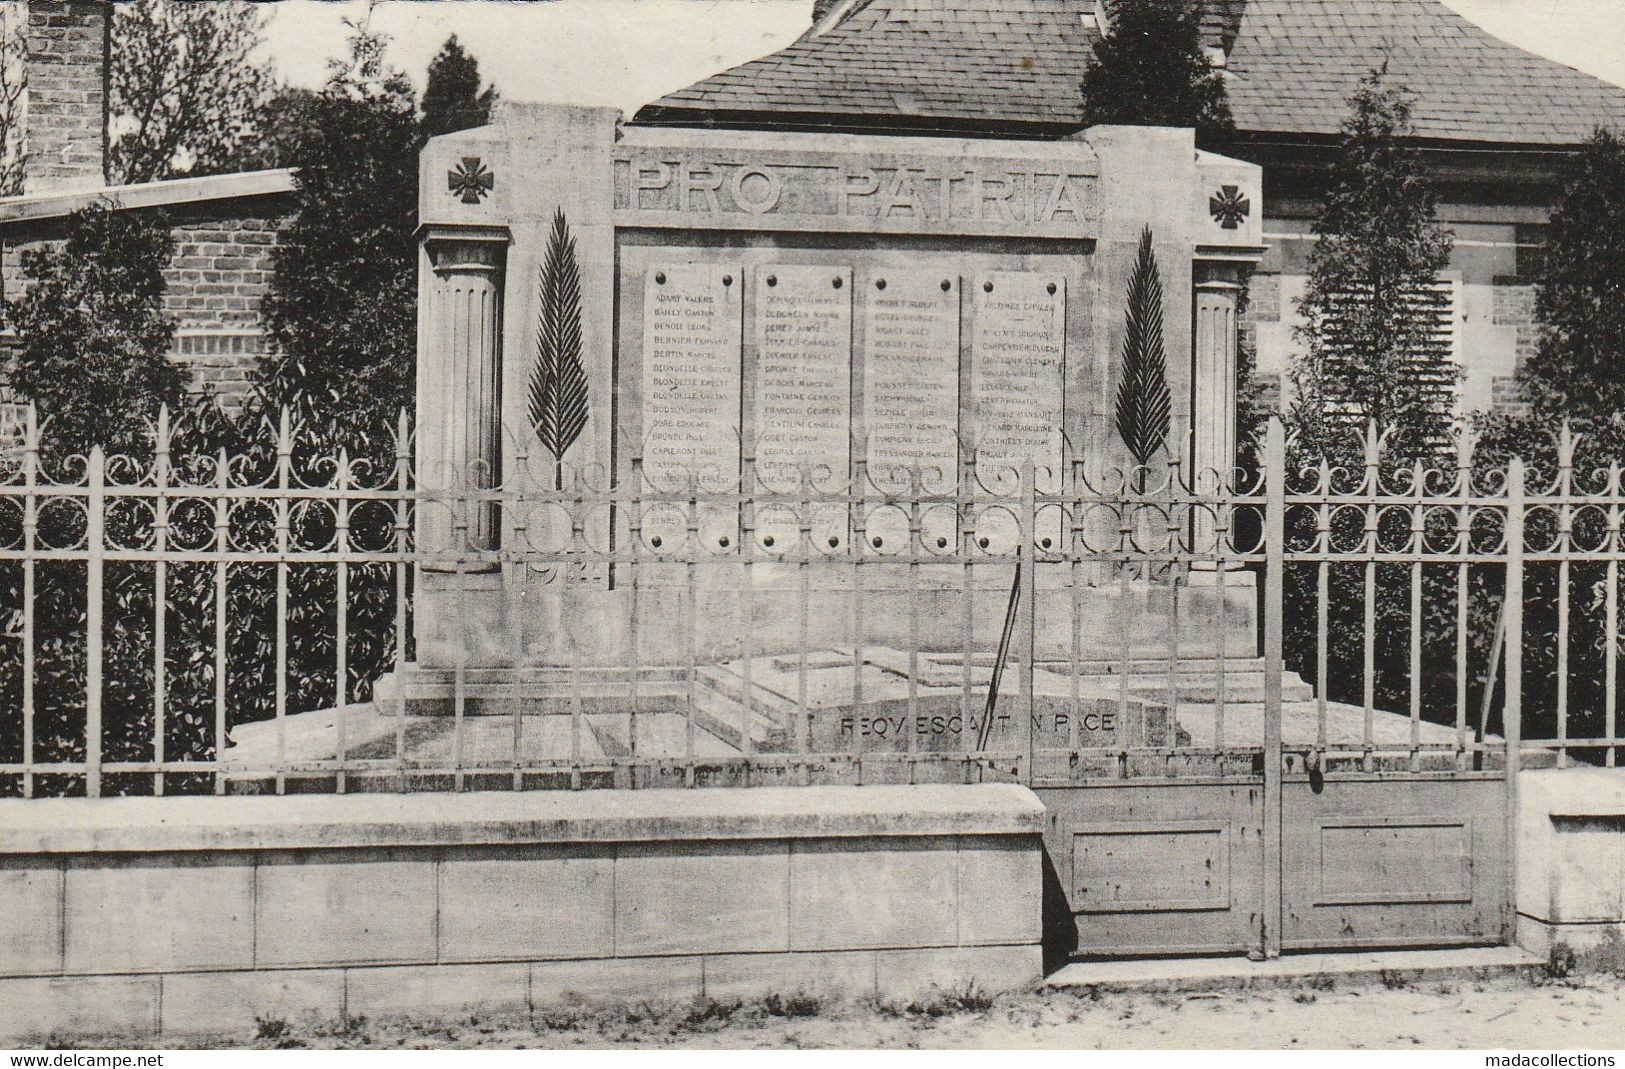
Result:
[[1586, 1014]]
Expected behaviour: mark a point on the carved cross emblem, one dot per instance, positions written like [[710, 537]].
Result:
[[1228, 207], [471, 180]]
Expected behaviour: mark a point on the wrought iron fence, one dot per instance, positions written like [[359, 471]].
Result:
[[283, 620]]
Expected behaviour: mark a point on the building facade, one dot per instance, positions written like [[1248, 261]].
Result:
[[1494, 124]]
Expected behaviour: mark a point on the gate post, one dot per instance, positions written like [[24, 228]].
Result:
[[1274, 585], [95, 554], [1512, 650], [1027, 598]]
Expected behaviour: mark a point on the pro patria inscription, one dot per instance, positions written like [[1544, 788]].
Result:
[[784, 190]]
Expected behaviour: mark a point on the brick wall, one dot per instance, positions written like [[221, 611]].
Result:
[[1263, 306], [67, 52], [216, 283], [1513, 305]]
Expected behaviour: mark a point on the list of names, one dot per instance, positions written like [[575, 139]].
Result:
[[911, 371], [691, 371]]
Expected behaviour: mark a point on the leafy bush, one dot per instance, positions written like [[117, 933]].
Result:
[[799, 1004], [93, 335], [91, 339], [342, 310]]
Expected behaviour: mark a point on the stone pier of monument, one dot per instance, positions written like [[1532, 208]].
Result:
[[819, 303]]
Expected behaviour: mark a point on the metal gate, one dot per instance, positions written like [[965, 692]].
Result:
[[1279, 817]]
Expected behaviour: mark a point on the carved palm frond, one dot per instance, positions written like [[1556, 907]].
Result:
[[1144, 408], [558, 382]]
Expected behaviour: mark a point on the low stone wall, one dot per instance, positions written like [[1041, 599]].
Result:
[[187, 915], [1571, 865]]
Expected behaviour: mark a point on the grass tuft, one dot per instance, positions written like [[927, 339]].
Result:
[[1561, 961], [799, 1004], [939, 1002], [270, 1028], [708, 1015]]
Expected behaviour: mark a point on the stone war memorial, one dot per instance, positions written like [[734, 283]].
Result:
[[839, 484], [798, 350]]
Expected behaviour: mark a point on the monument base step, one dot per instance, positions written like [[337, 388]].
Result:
[[1243, 683], [543, 690]]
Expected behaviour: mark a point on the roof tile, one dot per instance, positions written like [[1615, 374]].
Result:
[[1292, 65]]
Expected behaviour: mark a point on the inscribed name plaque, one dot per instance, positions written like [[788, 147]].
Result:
[[803, 334], [691, 324], [803, 386], [911, 376], [1018, 348], [691, 386]]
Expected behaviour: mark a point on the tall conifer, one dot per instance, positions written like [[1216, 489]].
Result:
[[452, 99], [1372, 345], [1578, 370], [1152, 69]]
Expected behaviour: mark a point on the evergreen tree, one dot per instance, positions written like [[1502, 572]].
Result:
[[1371, 352], [452, 99], [1152, 69], [1373, 304], [1578, 371], [92, 334], [342, 306], [1575, 376]]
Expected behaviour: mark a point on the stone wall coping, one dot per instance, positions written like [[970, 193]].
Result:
[[1573, 792], [34, 208], [73, 825]]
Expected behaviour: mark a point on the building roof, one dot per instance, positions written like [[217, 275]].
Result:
[[183, 195], [1296, 62], [1291, 64], [914, 59]]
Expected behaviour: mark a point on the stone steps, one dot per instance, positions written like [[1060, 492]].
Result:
[[730, 683], [721, 715], [1239, 687]]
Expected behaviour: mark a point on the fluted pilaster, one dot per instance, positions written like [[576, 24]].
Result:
[[460, 394]]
